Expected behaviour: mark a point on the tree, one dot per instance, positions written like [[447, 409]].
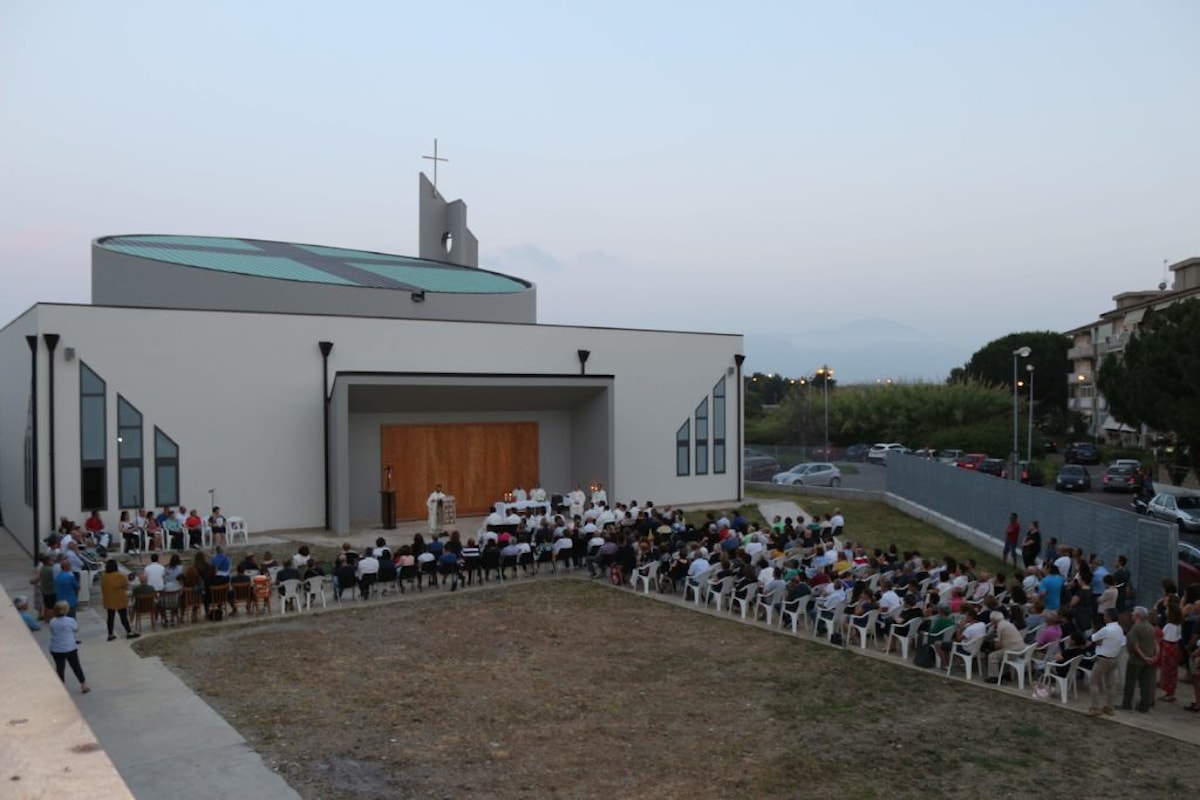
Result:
[[993, 364], [1157, 382]]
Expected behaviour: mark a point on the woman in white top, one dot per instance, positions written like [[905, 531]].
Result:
[[63, 645], [1172, 651]]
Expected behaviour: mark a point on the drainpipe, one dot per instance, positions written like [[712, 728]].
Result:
[[326, 349], [738, 359]]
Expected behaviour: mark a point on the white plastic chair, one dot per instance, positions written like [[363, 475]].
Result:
[[830, 618], [697, 584], [314, 588], [968, 652], [646, 576], [722, 590], [1021, 662], [795, 611], [765, 607], [289, 592], [904, 633], [206, 535], [1066, 680], [744, 604], [865, 625], [236, 527]]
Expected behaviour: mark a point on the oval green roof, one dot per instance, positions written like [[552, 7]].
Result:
[[313, 264]]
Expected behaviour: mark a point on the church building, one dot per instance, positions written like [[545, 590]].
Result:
[[292, 383]]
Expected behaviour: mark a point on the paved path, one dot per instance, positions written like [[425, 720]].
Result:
[[164, 740]]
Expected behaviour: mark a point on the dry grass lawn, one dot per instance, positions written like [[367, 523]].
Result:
[[564, 688]]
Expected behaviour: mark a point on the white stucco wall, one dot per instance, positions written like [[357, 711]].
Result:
[[240, 394]]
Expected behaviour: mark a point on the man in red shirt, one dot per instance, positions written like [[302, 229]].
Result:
[[1011, 535]]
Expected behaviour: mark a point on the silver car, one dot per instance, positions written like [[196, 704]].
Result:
[[1181, 509], [810, 473]]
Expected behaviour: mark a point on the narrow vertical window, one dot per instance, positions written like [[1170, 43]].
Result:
[[683, 448], [129, 455], [93, 436], [166, 470], [702, 437], [719, 427]]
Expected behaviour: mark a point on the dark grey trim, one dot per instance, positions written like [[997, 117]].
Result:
[[37, 495]]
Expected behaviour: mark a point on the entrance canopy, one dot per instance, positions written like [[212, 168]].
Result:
[[458, 430]]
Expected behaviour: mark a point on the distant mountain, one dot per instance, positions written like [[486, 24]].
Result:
[[859, 351]]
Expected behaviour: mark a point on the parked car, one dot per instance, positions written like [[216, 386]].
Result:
[[1181, 509], [1050, 445], [1073, 478], [992, 466], [825, 453], [810, 473], [950, 456], [1031, 474], [972, 460], [925, 452], [879, 452], [857, 452], [1120, 479], [1082, 453], [759, 468], [1189, 564]]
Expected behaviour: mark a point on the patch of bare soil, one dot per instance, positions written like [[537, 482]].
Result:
[[570, 689]]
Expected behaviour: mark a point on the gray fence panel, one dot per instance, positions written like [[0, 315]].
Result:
[[983, 502]]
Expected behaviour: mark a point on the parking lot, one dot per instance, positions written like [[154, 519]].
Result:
[[873, 477]]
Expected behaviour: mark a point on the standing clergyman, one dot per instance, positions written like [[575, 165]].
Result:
[[434, 504]]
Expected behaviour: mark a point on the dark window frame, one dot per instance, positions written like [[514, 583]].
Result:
[[93, 472], [131, 456], [683, 449], [702, 437], [718, 427], [165, 462]]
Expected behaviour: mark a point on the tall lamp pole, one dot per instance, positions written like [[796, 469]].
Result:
[[1020, 352], [826, 373], [1029, 443]]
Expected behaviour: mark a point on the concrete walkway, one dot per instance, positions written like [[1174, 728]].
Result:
[[164, 740]]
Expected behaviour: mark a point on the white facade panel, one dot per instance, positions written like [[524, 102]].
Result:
[[240, 394]]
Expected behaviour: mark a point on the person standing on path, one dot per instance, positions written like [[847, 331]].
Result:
[[1012, 535], [114, 588], [63, 647], [1031, 548], [1142, 645], [1103, 687]]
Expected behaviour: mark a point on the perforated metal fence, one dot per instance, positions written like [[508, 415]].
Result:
[[983, 502]]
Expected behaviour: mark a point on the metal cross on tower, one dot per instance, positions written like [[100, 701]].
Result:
[[434, 158]]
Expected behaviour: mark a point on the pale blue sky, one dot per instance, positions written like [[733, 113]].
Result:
[[946, 172]]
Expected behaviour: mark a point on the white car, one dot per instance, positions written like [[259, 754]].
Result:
[[879, 452], [950, 456], [810, 473]]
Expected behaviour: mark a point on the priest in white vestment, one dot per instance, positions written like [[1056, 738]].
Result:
[[434, 504]]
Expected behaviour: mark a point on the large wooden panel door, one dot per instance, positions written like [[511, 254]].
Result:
[[477, 462]]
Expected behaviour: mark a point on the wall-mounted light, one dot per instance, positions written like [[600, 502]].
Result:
[[69, 353], [418, 297], [583, 359]]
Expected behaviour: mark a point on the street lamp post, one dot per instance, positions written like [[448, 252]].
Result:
[[1092, 426], [826, 374], [1020, 352], [1029, 443]]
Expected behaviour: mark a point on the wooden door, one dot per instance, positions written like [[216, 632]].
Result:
[[477, 462]]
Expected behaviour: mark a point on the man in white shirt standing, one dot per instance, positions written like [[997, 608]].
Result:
[[599, 495], [519, 495], [434, 503], [576, 500], [1110, 641], [537, 494]]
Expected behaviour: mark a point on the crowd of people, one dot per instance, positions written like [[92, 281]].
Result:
[[1067, 604]]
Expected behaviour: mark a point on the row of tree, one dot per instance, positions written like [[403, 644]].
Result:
[[1156, 382]]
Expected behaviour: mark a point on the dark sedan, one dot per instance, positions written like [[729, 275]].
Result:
[[857, 452], [1032, 474], [1120, 479], [992, 466], [1073, 478]]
